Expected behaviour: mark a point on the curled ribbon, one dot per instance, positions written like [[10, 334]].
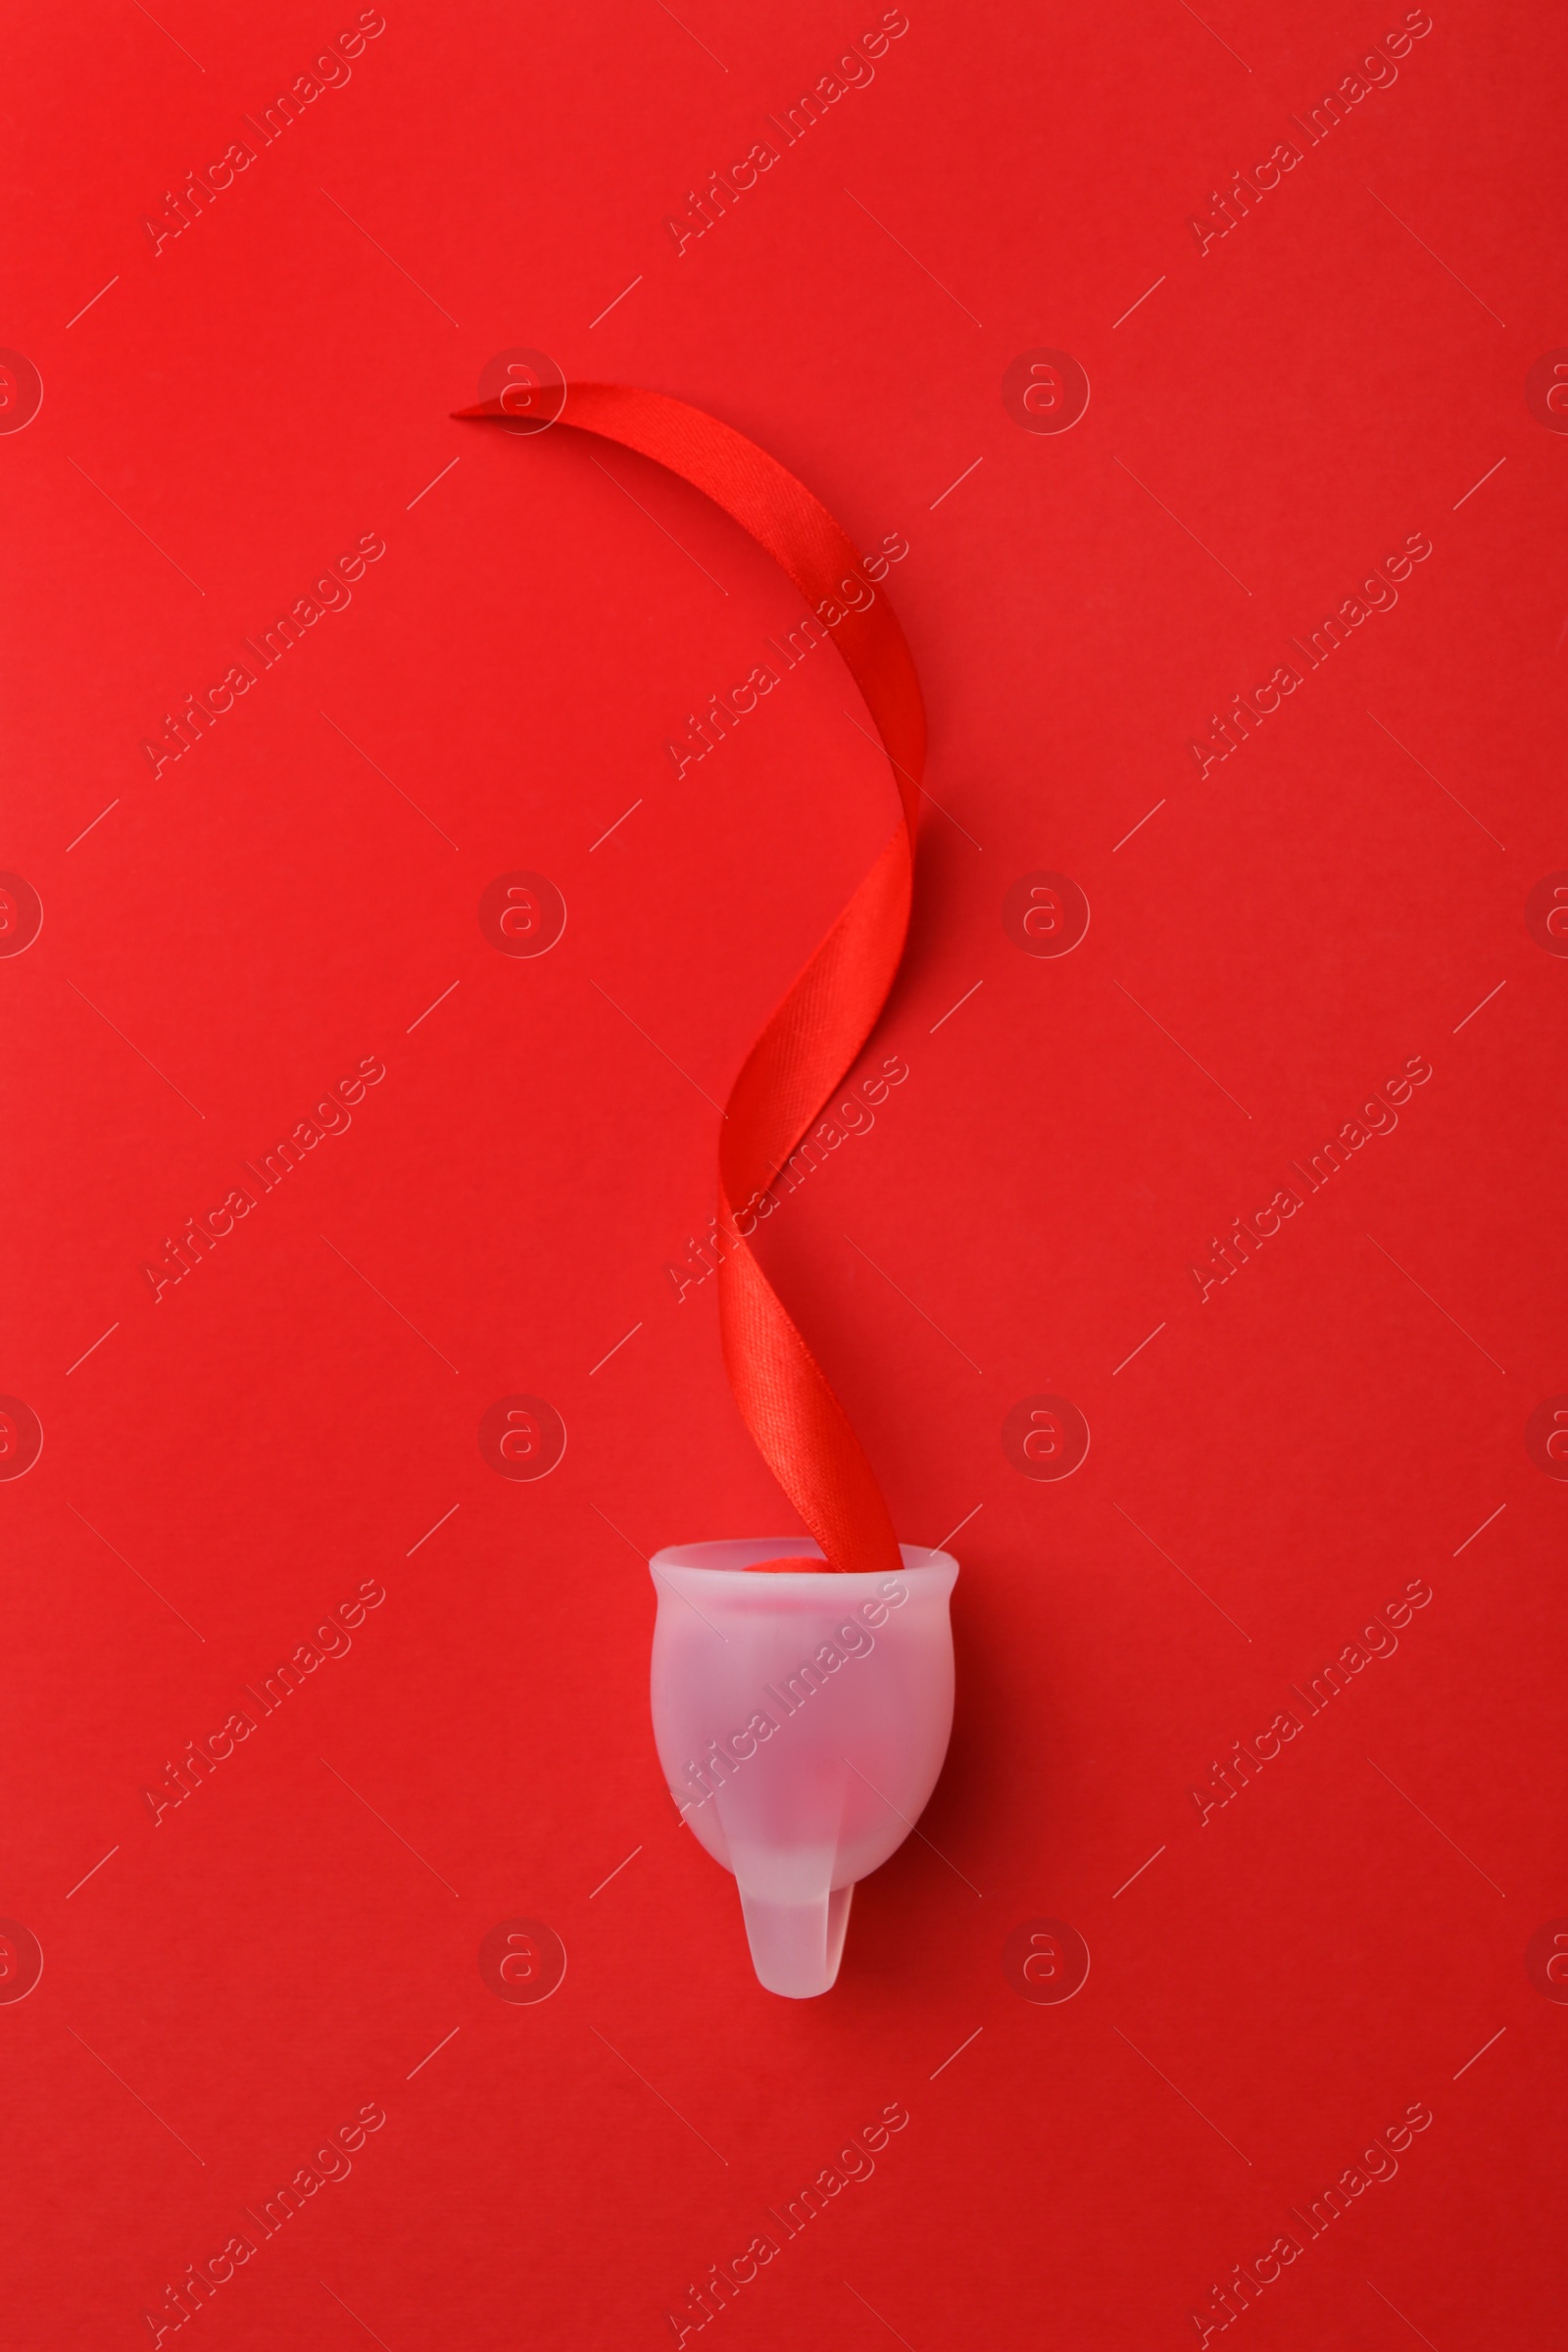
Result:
[[826, 1013]]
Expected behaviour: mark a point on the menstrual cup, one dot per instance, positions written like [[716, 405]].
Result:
[[801, 1718]]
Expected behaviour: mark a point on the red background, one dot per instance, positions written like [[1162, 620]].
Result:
[[230, 1984]]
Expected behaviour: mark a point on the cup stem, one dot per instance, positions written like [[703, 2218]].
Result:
[[797, 1947]]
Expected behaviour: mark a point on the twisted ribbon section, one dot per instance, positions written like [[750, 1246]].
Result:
[[826, 1013]]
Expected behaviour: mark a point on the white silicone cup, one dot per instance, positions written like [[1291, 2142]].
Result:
[[799, 1812]]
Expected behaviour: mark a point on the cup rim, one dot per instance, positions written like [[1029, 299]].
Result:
[[676, 1561]]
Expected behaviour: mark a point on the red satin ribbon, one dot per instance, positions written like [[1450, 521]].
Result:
[[825, 1015]]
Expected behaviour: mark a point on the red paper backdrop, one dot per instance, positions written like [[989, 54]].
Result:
[[1273, 412]]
